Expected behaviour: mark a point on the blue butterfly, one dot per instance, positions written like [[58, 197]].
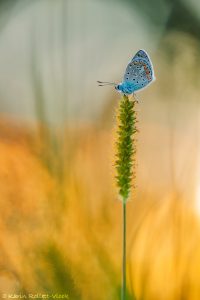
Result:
[[138, 75]]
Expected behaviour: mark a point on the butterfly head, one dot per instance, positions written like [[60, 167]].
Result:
[[118, 87], [125, 88]]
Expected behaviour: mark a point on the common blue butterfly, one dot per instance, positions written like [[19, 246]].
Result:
[[138, 75]]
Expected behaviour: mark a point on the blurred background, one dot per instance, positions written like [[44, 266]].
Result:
[[60, 214]]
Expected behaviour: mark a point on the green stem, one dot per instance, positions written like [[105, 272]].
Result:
[[124, 253]]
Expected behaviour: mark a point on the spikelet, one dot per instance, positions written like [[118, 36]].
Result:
[[126, 148]]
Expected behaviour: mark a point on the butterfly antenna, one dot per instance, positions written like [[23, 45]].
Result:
[[103, 83]]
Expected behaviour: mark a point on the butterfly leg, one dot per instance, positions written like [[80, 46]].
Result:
[[135, 98], [132, 97]]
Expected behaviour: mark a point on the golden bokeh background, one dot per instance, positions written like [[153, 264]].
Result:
[[61, 220]]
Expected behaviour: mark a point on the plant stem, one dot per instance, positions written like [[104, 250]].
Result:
[[124, 253]]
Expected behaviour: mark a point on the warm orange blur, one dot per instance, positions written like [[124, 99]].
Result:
[[61, 218]]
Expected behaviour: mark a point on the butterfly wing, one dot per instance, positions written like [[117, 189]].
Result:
[[141, 54], [139, 71]]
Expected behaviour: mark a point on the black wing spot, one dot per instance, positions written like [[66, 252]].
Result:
[[126, 77]]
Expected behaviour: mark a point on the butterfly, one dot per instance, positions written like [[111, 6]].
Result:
[[138, 75]]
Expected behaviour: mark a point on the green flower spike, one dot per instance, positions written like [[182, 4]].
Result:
[[125, 146]]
